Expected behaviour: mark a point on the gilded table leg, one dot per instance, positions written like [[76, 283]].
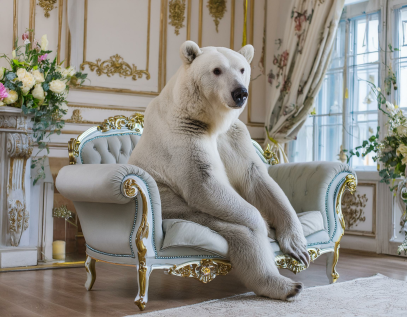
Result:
[[143, 277], [90, 272]]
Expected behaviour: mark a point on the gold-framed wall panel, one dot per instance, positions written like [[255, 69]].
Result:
[[15, 22], [373, 232], [200, 24], [251, 41], [161, 57]]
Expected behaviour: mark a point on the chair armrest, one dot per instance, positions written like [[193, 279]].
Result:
[[315, 186], [99, 183], [95, 187]]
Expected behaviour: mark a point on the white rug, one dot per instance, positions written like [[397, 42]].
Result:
[[373, 296]]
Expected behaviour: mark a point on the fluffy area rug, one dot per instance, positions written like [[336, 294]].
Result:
[[373, 296]]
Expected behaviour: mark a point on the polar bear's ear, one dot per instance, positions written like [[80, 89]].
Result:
[[248, 52], [189, 51]]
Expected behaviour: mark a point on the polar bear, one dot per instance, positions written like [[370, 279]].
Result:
[[207, 170]]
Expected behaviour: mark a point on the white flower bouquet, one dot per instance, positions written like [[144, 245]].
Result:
[[39, 87]]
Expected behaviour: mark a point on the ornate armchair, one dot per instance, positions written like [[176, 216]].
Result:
[[120, 211]]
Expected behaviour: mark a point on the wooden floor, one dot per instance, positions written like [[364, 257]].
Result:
[[60, 292]]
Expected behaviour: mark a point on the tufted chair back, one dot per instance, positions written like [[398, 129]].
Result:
[[109, 149], [110, 143]]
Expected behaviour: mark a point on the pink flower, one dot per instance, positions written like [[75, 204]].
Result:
[[42, 58], [3, 92], [25, 36], [284, 58]]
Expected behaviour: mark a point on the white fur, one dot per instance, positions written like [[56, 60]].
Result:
[[207, 171]]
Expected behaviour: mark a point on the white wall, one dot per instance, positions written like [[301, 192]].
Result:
[[121, 27]]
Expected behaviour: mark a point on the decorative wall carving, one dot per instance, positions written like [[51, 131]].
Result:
[[8, 122], [15, 122], [359, 211], [19, 149], [177, 14], [352, 209], [77, 118], [18, 220], [115, 65], [217, 9], [47, 5], [19, 145], [125, 69]]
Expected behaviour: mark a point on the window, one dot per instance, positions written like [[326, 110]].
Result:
[[338, 123], [400, 57]]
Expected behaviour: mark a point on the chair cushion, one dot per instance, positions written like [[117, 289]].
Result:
[[183, 233]]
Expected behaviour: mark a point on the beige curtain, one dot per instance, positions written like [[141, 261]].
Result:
[[304, 42]]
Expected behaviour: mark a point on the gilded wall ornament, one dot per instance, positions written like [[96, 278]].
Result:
[[76, 117], [352, 209], [177, 14], [18, 217], [47, 5], [115, 65], [217, 9]]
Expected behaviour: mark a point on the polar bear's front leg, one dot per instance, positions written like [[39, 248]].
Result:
[[264, 193], [249, 175]]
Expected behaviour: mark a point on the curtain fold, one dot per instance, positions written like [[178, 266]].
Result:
[[306, 43]]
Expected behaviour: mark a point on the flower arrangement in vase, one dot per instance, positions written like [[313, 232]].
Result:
[[40, 88], [390, 151]]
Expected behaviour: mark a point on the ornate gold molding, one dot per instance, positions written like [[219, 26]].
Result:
[[115, 65], [142, 233], [204, 272], [117, 122], [349, 184], [47, 5], [73, 150], [77, 118], [161, 58], [177, 14], [286, 262], [18, 220], [130, 188], [217, 9], [270, 156], [15, 23]]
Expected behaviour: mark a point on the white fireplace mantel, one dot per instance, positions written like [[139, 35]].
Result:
[[25, 210]]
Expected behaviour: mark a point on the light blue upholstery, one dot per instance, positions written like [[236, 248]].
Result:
[[113, 222]]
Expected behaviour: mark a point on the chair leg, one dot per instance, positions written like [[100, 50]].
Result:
[[143, 278], [331, 261], [90, 272]]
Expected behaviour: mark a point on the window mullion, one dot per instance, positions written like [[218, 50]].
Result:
[[345, 105]]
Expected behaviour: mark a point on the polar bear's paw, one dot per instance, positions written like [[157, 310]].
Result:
[[294, 244], [283, 288]]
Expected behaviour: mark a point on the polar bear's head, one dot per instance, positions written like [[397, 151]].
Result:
[[220, 75]]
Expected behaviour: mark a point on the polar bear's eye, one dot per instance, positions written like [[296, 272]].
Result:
[[217, 71], [242, 70]]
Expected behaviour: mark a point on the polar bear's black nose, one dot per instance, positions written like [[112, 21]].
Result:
[[239, 96]]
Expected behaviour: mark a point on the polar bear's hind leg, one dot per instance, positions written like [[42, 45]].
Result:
[[250, 253]]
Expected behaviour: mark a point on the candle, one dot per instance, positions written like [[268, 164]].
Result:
[[58, 250]]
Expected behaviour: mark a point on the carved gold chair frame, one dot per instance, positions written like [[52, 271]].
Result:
[[205, 269]]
